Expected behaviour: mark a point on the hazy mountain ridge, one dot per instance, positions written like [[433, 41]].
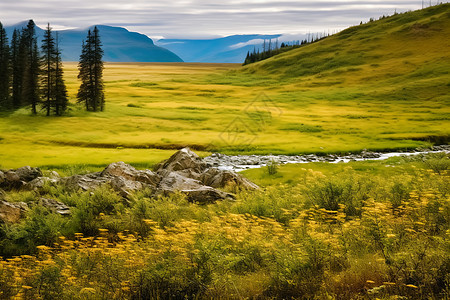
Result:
[[119, 44], [230, 49]]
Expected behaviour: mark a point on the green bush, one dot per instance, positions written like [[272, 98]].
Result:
[[330, 193], [438, 162], [91, 206], [272, 167], [40, 227]]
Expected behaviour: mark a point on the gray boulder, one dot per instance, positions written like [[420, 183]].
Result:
[[54, 205], [173, 181], [84, 182], [182, 160], [186, 172], [194, 189], [12, 180], [220, 179], [28, 173], [121, 169], [54, 175], [13, 212], [38, 183], [122, 177], [124, 186], [16, 179], [188, 164]]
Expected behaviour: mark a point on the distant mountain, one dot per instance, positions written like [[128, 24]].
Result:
[[230, 49], [119, 44]]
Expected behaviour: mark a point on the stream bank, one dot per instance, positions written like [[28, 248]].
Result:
[[238, 163]]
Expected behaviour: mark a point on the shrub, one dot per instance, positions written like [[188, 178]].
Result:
[[41, 227], [91, 206], [272, 167], [329, 193], [438, 162]]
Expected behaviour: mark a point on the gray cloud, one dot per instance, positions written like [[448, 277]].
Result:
[[201, 18]]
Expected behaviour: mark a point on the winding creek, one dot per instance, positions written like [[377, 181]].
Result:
[[240, 163]]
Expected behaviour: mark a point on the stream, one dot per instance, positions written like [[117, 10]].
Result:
[[238, 163]]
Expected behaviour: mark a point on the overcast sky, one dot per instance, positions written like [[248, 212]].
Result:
[[201, 18]]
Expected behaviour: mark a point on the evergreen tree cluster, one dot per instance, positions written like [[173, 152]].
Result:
[[270, 48], [33, 77]]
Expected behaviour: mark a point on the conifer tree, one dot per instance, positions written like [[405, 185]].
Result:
[[48, 70], [247, 58], [53, 87], [18, 63], [30, 86], [61, 98], [91, 91], [4, 69], [99, 95], [84, 74]]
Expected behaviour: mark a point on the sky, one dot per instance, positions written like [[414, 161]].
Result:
[[204, 19]]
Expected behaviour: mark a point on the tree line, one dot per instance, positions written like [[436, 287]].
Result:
[[270, 48], [32, 76]]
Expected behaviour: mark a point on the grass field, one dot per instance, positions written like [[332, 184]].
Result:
[[383, 85], [357, 230]]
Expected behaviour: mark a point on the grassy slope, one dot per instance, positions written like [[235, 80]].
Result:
[[398, 66], [373, 86], [406, 49]]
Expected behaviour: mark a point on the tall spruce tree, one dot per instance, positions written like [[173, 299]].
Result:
[[18, 63], [61, 98], [99, 95], [83, 95], [48, 70], [5, 78], [91, 91], [30, 83], [54, 90]]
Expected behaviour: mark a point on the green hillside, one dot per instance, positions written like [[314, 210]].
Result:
[[401, 63], [404, 57], [410, 51]]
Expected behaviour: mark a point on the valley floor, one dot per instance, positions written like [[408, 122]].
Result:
[[212, 107]]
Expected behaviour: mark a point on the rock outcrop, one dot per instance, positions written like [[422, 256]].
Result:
[[183, 172], [16, 179]]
